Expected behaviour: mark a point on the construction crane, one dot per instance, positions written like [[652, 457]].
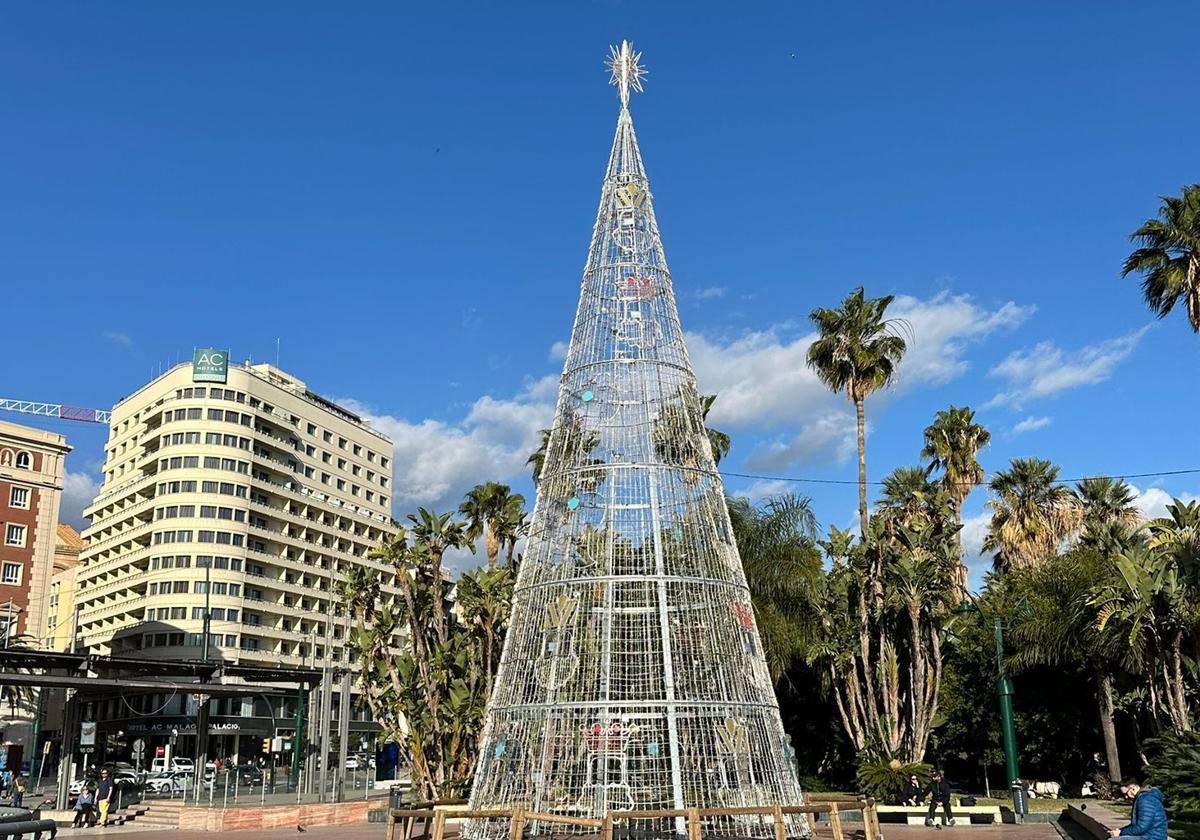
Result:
[[62, 412]]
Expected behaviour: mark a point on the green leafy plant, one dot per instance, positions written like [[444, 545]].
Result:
[[1175, 770], [887, 781]]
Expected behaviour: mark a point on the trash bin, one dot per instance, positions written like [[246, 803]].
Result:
[[396, 797], [1019, 795]]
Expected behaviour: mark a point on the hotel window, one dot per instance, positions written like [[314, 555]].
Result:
[[11, 573], [15, 535], [24, 462], [19, 498]]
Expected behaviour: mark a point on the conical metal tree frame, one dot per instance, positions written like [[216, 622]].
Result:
[[632, 676]]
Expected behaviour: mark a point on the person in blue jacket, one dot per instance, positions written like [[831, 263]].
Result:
[[1148, 819]]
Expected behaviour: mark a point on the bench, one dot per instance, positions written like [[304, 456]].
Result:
[[963, 814], [1096, 820]]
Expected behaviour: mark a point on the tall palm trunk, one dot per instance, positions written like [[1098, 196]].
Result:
[[860, 423], [1179, 702], [1111, 755], [491, 547], [960, 574]]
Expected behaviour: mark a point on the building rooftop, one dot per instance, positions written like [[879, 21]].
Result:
[[68, 537], [32, 435], [285, 382]]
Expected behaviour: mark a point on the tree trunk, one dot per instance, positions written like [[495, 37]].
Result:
[[491, 547], [960, 574], [1193, 293], [860, 423], [1180, 698], [1112, 757]]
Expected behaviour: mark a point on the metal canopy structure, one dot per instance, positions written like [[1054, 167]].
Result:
[[632, 676], [28, 666]]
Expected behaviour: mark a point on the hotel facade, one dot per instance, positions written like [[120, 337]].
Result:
[[233, 499]]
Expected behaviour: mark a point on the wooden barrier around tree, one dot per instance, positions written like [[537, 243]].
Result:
[[432, 816]]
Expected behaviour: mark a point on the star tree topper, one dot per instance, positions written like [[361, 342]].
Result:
[[626, 71]]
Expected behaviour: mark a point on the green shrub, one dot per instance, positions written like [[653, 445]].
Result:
[[888, 780], [1175, 770]]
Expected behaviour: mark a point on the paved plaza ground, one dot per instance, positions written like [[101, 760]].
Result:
[[377, 831]]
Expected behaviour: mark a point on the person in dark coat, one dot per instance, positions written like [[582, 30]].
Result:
[[1148, 819], [912, 792], [939, 793]]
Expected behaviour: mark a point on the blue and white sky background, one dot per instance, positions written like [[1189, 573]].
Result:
[[402, 194]]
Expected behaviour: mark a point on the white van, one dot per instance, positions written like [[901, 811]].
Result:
[[178, 765]]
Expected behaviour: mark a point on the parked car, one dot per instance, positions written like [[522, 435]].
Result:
[[166, 784], [352, 762], [178, 764], [248, 774]]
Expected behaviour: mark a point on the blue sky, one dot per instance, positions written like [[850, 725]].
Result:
[[403, 196]]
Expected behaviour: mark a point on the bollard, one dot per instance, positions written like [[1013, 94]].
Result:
[[225, 801], [263, 786], [299, 784]]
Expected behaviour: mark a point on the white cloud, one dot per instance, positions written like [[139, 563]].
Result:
[[119, 338], [1047, 369], [79, 489], [940, 330], [436, 462], [766, 488], [1153, 501], [763, 378], [830, 436], [974, 529], [1031, 424], [558, 351], [710, 293]]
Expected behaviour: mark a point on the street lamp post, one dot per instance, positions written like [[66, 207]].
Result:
[[207, 608], [1004, 693], [1004, 690]]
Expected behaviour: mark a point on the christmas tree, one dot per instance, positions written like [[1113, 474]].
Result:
[[632, 676]]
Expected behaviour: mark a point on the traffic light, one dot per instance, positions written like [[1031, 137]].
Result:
[[266, 748]]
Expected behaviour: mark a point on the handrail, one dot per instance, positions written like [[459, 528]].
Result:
[[436, 812]]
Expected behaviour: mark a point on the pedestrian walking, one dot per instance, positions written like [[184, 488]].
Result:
[[104, 796], [19, 786], [939, 793], [1148, 818], [83, 808]]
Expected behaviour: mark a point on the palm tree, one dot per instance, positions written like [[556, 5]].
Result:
[[1108, 510], [1168, 256], [511, 525], [719, 441], [485, 507], [537, 458], [902, 487], [952, 442], [1055, 625], [856, 351], [777, 544], [1031, 514], [436, 534], [485, 597]]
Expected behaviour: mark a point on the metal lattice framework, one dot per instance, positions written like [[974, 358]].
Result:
[[632, 676]]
